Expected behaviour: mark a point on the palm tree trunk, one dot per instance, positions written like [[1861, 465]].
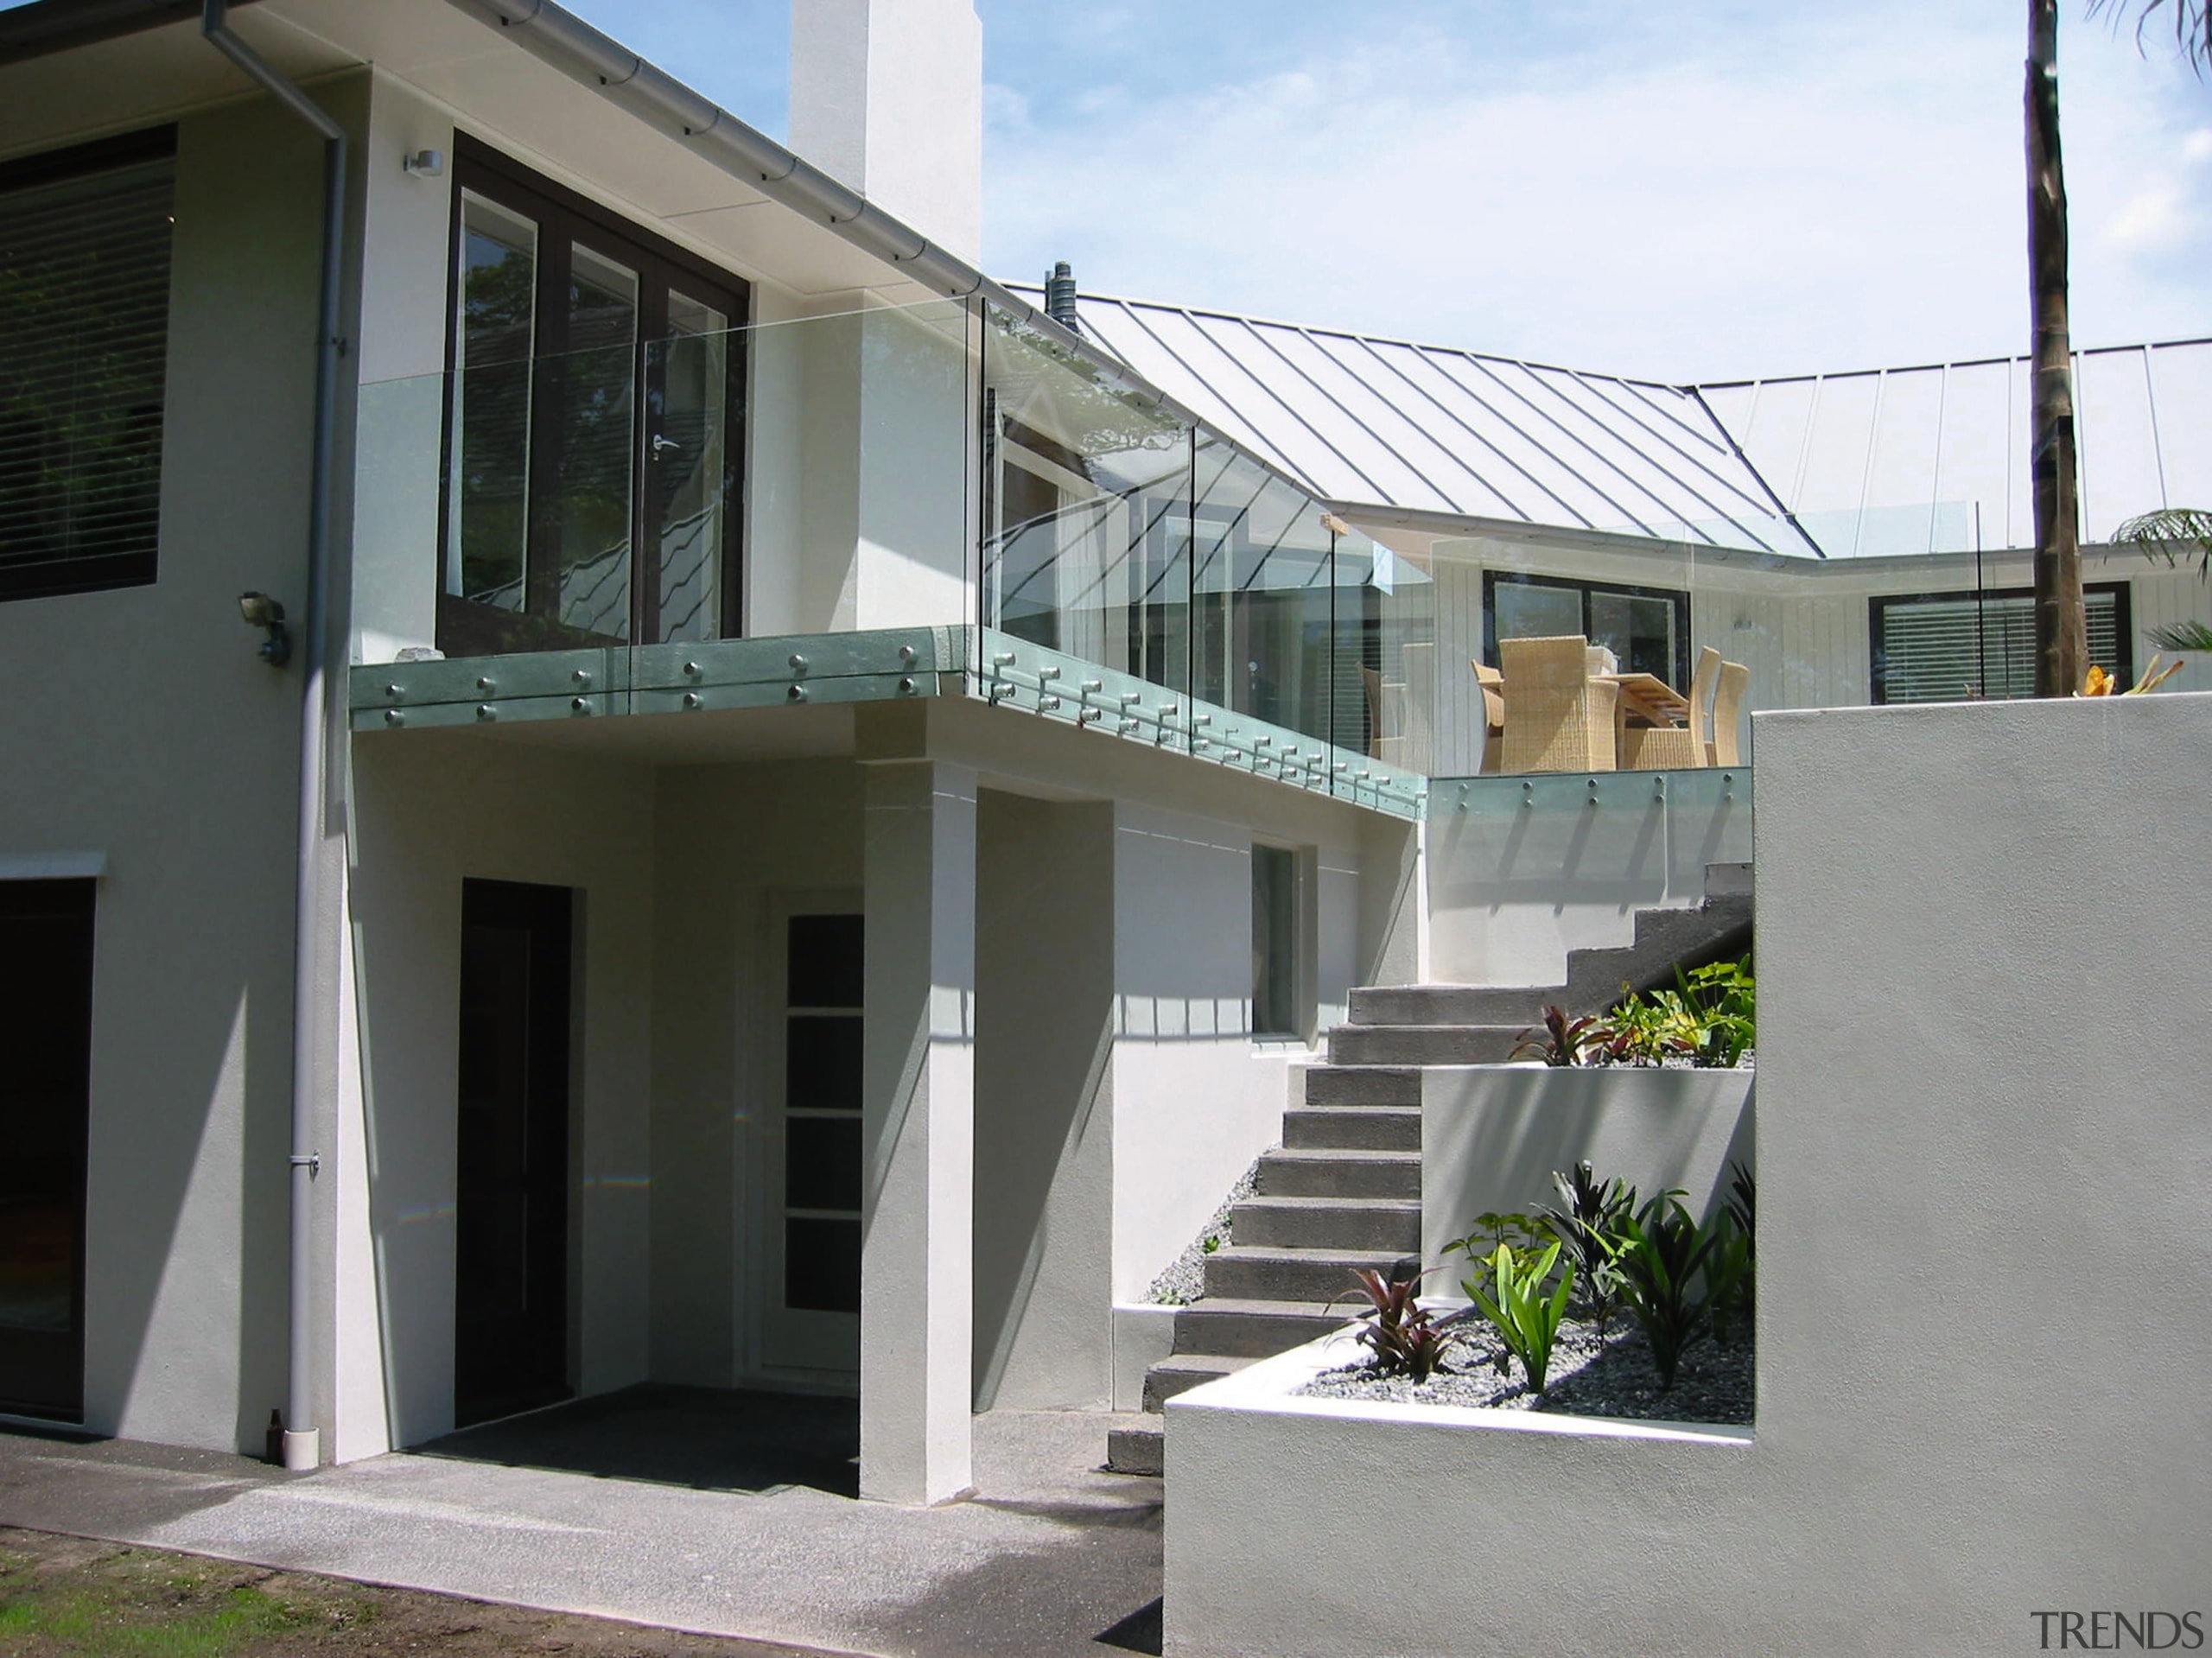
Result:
[[2061, 627]]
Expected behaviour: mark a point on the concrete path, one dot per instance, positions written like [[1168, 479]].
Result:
[[1048, 1557]]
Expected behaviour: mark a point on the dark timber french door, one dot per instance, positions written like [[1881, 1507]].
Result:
[[46, 1059], [510, 1302]]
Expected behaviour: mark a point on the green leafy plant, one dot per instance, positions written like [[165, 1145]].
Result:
[[1490, 1229], [1404, 1338], [2182, 636], [1527, 1318], [1563, 1040], [1660, 1251], [1637, 1031], [1588, 1215], [2175, 534], [1727, 1275]]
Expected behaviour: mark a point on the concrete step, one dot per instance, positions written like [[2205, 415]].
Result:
[[1452, 1004], [1334, 1085], [1718, 930], [1181, 1374], [1423, 1045], [1237, 1328], [1135, 1444], [1263, 1272], [1728, 881], [1304, 1174], [1327, 1222], [1350, 1128]]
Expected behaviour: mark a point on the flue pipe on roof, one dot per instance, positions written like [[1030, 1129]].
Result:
[[302, 1439], [1060, 298]]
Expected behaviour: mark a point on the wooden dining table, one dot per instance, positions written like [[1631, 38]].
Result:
[[1648, 700]]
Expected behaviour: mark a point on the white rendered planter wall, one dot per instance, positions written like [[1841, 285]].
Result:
[[1983, 1159], [1492, 1135]]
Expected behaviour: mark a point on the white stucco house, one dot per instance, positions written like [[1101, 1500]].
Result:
[[800, 815]]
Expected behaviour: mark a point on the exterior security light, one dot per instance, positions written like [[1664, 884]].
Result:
[[425, 163], [259, 610]]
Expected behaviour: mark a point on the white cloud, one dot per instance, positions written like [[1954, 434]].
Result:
[[1855, 197]]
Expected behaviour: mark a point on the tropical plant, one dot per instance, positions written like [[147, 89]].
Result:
[[1589, 1213], [1660, 1251], [1404, 1338], [1636, 1032], [2173, 533], [1526, 1318], [1728, 1277], [1562, 1041], [2182, 636], [1491, 1229], [1725, 996]]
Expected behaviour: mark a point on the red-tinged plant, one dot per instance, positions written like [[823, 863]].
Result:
[[1563, 1040], [1400, 1333]]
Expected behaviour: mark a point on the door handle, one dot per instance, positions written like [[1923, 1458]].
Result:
[[662, 445]]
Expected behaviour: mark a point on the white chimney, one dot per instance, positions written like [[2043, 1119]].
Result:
[[887, 96]]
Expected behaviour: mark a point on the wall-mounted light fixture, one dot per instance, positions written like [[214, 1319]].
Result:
[[425, 163], [259, 610]]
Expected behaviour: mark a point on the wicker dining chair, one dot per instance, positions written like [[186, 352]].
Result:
[[1491, 683], [1671, 748], [1727, 713], [1557, 718]]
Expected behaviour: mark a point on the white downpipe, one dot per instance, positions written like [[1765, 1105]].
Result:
[[303, 1444]]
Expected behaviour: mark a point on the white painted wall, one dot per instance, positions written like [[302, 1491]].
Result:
[[143, 727], [1044, 918], [430, 809], [1982, 1160], [1491, 1135], [887, 96], [729, 840]]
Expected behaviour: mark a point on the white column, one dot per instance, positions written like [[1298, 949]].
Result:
[[919, 1132]]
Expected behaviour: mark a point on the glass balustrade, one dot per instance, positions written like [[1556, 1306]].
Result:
[[971, 475]]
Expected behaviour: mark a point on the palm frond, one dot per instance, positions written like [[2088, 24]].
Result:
[[2182, 636], [2192, 22], [2172, 533]]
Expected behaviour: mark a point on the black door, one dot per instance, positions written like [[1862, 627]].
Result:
[[511, 1296], [46, 1056]]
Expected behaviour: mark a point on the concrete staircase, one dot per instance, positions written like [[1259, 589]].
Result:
[[1481, 1024], [1342, 1191]]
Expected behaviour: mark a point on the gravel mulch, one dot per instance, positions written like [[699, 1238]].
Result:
[[1713, 1383], [1185, 1279]]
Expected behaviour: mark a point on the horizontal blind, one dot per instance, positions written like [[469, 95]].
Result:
[[84, 332], [1932, 651]]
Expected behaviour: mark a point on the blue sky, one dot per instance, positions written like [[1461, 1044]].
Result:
[[1684, 190], [1681, 188]]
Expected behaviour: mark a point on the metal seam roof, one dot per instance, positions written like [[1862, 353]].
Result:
[[1780, 463]]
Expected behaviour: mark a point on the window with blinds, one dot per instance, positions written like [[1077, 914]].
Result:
[[83, 339], [1956, 647]]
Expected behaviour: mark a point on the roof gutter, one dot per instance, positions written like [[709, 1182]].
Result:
[[51, 26], [302, 1439], [574, 47]]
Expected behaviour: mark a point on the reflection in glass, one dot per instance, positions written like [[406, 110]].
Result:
[[488, 537], [688, 457], [598, 402], [1274, 941], [1087, 511], [1262, 580]]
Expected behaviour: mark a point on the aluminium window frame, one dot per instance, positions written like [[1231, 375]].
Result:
[[565, 217], [1678, 598], [100, 572], [1877, 605]]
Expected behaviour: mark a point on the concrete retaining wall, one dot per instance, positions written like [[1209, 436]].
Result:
[[1983, 1157], [1492, 1135]]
